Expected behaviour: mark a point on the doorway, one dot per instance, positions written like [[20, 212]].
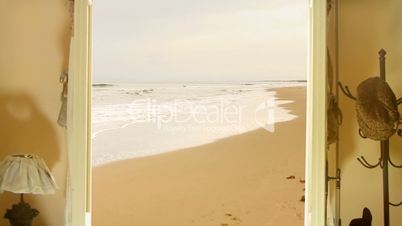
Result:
[[192, 108]]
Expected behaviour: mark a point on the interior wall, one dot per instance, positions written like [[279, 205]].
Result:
[[366, 26], [34, 44]]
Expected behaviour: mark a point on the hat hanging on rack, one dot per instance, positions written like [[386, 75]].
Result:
[[377, 109]]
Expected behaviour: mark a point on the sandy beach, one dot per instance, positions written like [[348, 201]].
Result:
[[249, 179]]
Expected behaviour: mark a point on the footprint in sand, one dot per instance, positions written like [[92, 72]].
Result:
[[236, 219], [233, 218]]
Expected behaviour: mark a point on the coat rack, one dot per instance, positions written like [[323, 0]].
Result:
[[385, 160]]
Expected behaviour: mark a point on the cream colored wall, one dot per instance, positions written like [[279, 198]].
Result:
[[34, 45], [365, 27]]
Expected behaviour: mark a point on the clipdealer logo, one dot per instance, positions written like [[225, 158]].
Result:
[[220, 113]]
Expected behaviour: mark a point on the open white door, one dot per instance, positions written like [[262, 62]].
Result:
[[79, 111], [316, 117]]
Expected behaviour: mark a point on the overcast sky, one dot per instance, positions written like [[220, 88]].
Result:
[[199, 40]]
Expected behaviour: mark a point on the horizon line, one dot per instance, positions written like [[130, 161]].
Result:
[[231, 81]]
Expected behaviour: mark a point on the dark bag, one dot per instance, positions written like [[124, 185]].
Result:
[[364, 221]]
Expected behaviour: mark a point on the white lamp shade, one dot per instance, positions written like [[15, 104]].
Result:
[[26, 174]]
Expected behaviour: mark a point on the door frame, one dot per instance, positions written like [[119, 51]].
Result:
[[80, 116]]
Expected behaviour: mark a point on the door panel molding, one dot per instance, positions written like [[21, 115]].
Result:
[[79, 112], [316, 117]]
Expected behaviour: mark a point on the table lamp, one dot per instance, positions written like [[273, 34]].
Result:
[[25, 174]]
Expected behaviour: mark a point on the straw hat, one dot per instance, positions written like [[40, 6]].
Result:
[[377, 109]]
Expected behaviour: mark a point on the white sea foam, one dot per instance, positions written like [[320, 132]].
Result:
[[145, 119]]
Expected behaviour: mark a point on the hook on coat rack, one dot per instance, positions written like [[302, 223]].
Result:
[[346, 91], [395, 205], [394, 165], [366, 164]]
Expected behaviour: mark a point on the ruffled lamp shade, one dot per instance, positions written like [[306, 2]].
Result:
[[25, 174]]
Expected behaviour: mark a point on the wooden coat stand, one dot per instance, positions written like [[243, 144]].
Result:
[[385, 161]]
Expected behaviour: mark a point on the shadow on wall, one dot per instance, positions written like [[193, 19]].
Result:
[[25, 129]]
